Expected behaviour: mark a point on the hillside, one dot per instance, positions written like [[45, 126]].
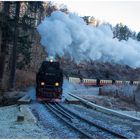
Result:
[[101, 70]]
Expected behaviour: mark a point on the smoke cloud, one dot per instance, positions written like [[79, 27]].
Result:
[[68, 34]]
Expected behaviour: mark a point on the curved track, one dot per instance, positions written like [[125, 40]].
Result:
[[61, 114], [86, 128]]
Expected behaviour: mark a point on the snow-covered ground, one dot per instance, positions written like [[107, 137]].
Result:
[[11, 128]]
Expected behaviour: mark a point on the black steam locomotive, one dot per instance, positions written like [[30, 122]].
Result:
[[49, 81]]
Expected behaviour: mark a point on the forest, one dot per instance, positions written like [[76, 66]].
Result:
[[20, 51]]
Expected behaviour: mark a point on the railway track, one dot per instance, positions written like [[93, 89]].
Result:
[[104, 110], [86, 128], [67, 118]]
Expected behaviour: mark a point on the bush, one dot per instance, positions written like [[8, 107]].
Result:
[[125, 92]]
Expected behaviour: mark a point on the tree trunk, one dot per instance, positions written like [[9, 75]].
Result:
[[14, 53], [4, 41]]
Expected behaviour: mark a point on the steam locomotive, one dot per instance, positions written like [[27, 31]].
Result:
[[49, 81]]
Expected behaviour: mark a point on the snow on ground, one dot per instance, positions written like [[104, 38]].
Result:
[[10, 128], [92, 91], [47, 126], [31, 92], [78, 89]]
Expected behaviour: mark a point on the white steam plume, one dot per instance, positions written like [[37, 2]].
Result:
[[68, 34]]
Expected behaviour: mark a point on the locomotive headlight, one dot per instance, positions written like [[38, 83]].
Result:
[[57, 84], [42, 83], [51, 60]]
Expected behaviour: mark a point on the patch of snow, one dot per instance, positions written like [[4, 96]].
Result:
[[32, 93], [10, 128], [78, 89]]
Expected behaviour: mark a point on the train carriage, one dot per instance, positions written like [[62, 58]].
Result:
[[74, 80], [119, 82], [136, 82], [105, 82], [126, 82], [100, 82], [90, 82]]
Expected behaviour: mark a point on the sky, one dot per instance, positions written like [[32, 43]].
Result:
[[113, 11]]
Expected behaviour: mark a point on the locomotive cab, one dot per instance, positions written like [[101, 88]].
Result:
[[49, 81]]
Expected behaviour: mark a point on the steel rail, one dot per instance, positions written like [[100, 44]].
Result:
[[103, 109], [55, 111], [57, 107], [94, 124]]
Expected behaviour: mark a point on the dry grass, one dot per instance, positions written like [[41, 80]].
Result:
[[25, 79]]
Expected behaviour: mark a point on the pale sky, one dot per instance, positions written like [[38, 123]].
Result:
[[126, 12]]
